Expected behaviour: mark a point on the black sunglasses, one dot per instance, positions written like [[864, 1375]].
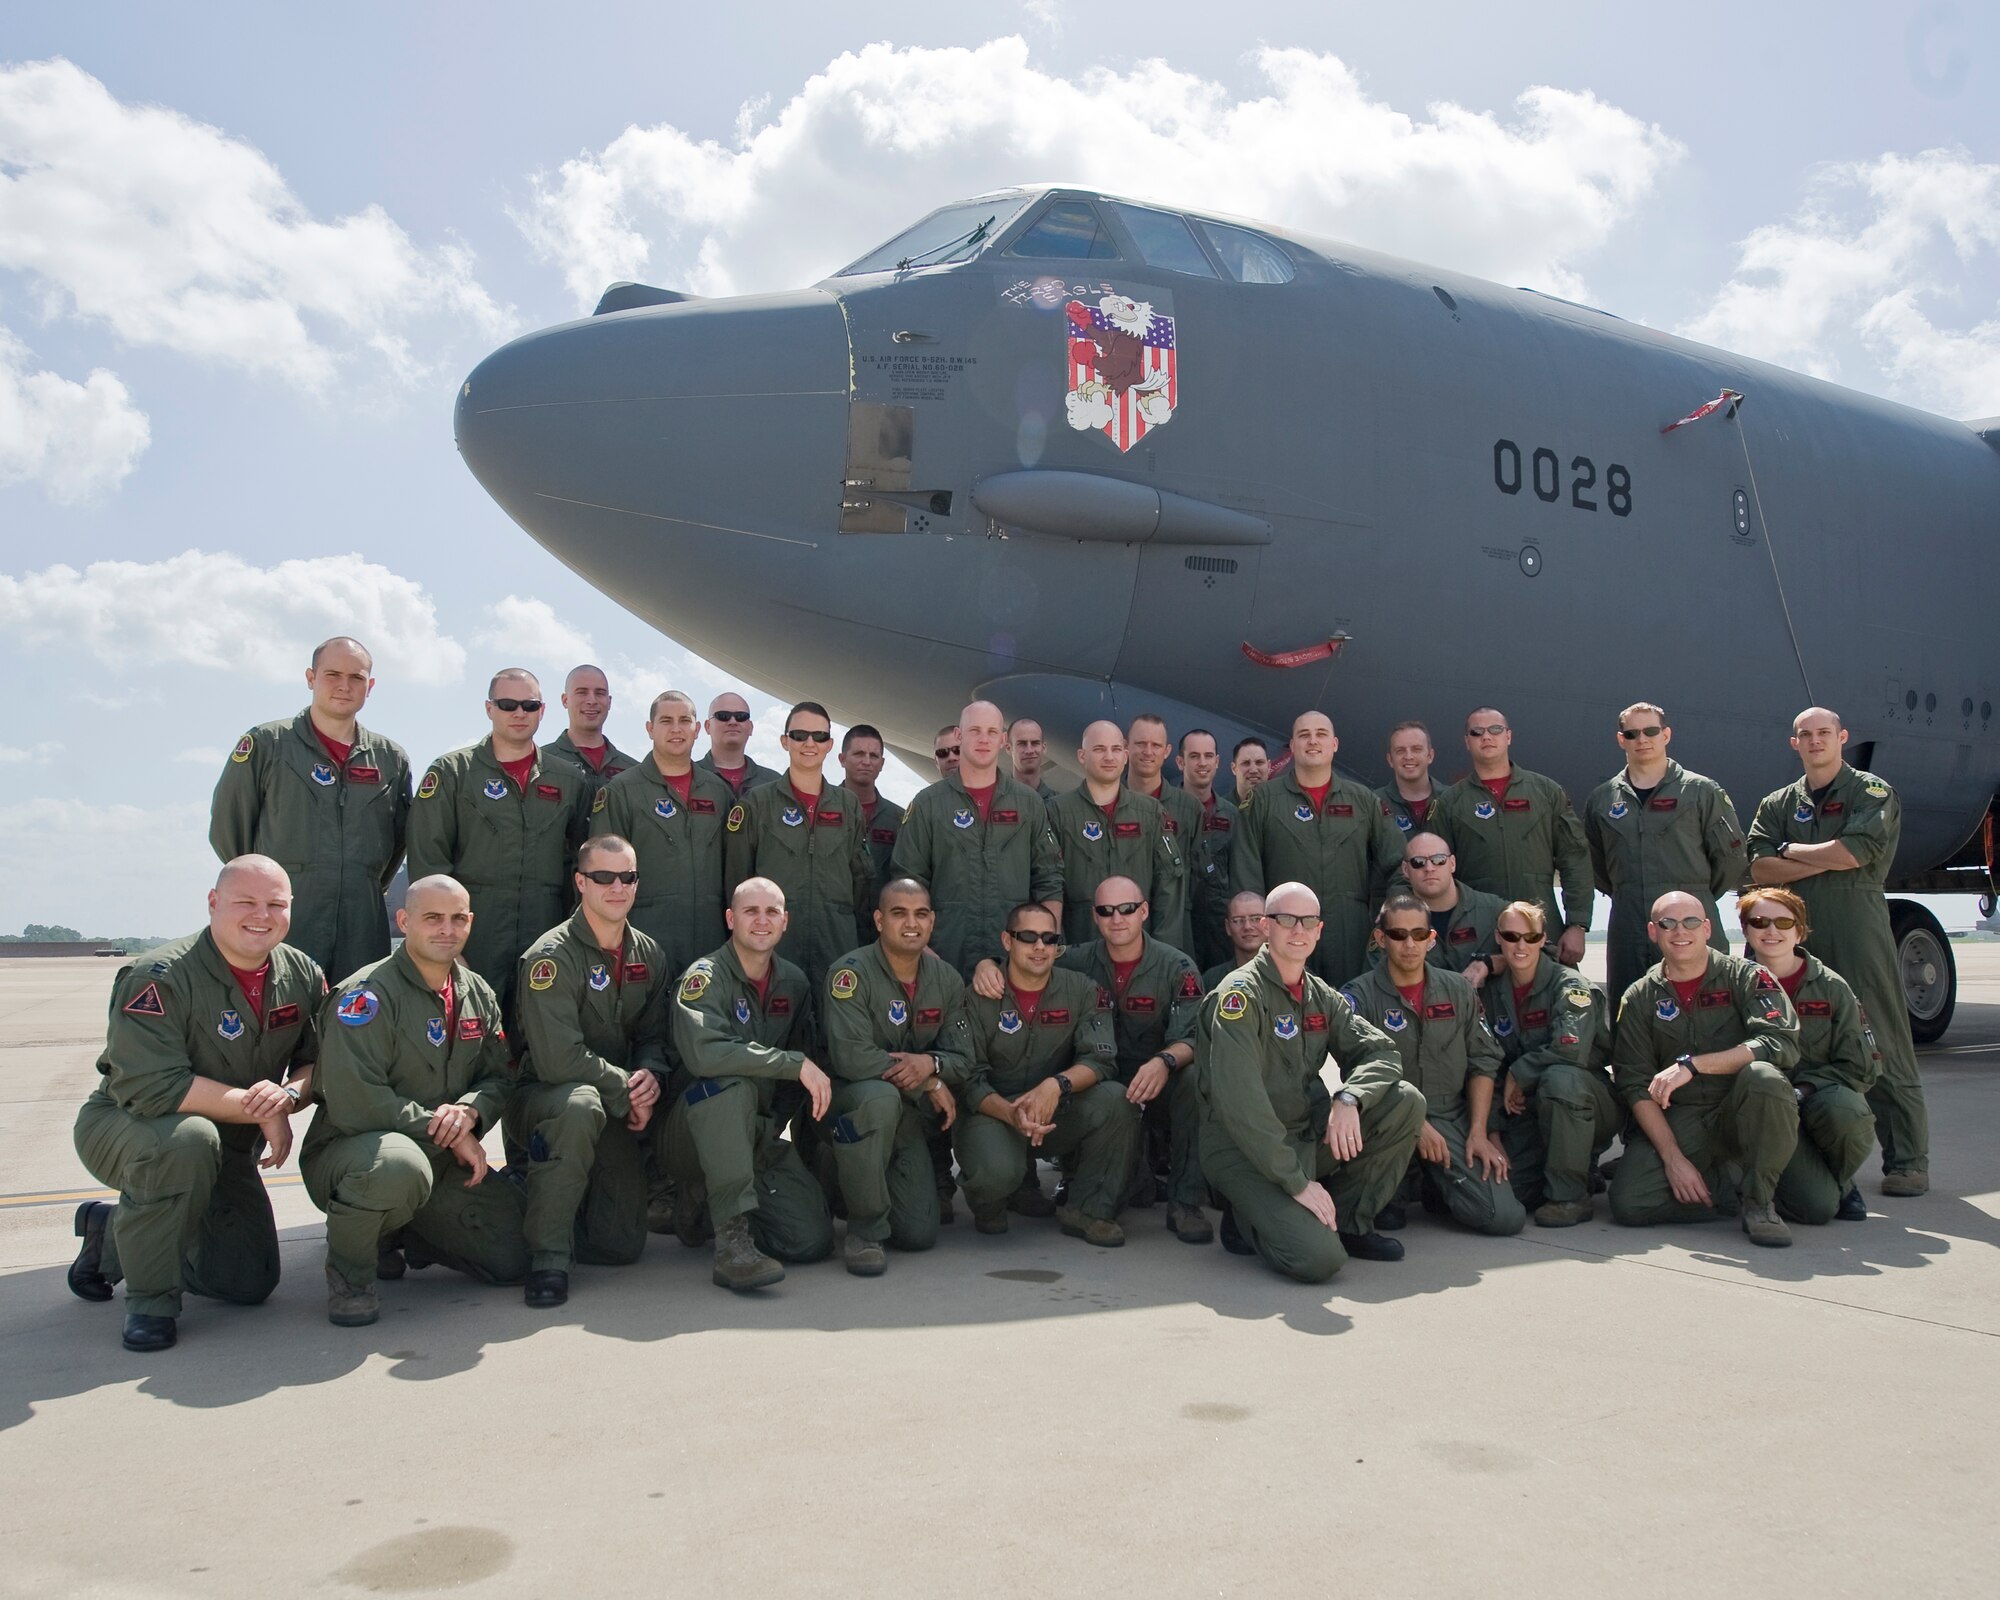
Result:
[[1294, 919], [517, 705], [604, 877], [808, 735], [1641, 733], [1404, 935], [1520, 938], [1494, 728], [730, 716], [1031, 936], [1787, 923], [1124, 908], [950, 750], [1427, 861]]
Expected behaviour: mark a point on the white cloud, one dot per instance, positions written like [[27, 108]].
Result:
[[1046, 15], [78, 440], [173, 233], [107, 869], [216, 610], [864, 147], [37, 755], [1853, 285]]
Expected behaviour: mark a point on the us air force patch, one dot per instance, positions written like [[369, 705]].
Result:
[[1666, 1011], [845, 982], [322, 774], [1303, 811], [664, 808], [1577, 997], [434, 1030], [1093, 831], [231, 1025], [1504, 1028], [600, 976], [244, 746], [1804, 813], [429, 786], [961, 818], [1286, 1027], [1404, 822], [1233, 1005], [495, 789], [1010, 1021], [1875, 789], [1394, 1020], [1618, 812], [899, 1013], [742, 1009], [542, 975], [1484, 811], [791, 816]]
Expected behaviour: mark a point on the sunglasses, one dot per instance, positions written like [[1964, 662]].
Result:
[[1405, 935], [1491, 727], [1124, 908], [1427, 861], [1641, 733], [517, 705], [1030, 936], [948, 750], [1668, 924], [603, 877], [730, 716], [1295, 919], [1787, 923], [1244, 922], [1521, 938], [808, 736]]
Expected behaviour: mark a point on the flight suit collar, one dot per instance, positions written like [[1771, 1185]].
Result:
[[483, 751], [565, 743], [1670, 780], [579, 932], [365, 743], [930, 967], [404, 966], [209, 954]]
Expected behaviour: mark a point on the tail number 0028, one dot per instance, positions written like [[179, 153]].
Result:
[[1544, 474]]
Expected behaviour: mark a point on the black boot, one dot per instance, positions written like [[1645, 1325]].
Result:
[[145, 1334], [86, 1276], [546, 1289]]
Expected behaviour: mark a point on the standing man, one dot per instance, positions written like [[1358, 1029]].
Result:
[[1514, 832], [981, 843], [1044, 1079], [413, 1072], [948, 750], [1432, 1016], [1025, 751], [1208, 851], [1652, 829], [586, 697], [729, 728], [1247, 930], [1702, 1046], [1831, 838], [594, 996], [861, 758], [210, 1052], [1327, 832], [806, 836], [1407, 796], [1147, 745], [504, 824], [1103, 828], [1249, 765], [740, 1024], [672, 810], [331, 798], [898, 1047], [1154, 995], [1463, 918], [1302, 1176]]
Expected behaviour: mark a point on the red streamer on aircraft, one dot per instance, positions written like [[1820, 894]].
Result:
[[1326, 650], [1731, 398]]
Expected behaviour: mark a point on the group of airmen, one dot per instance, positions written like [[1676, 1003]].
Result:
[[705, 997]]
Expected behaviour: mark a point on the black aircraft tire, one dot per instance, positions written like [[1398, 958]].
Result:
[[1928, 971]]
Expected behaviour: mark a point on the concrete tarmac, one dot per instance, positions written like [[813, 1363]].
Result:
[[1571, 1412]]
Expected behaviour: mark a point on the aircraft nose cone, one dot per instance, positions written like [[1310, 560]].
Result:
[[705, 426]]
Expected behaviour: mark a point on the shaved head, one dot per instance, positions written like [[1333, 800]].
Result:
[[757, 888], [439, 889], [1115, 889], [1295, 898], [253, 867], [1677, 903]]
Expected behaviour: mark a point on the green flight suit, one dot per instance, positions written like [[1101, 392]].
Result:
[[391, 1054], [590, 1018], [879, 1132], [679, 845], [1556, 1041], [733, 1048], [817, 854], [1339, 850], [1159, 1005], [1851, 934], [337, 830], [755, 774], [1684, 837], [563, 748], [192, 1215], [512, 847], [880, 827], [1130, 842], [1750, 1117], [1518, 846], [1183, 825], [1399, 811], [1837, 1066], [977, 871], [1209, 870], [1442, 1043], [1211, 979], [1095, 1133], [1264, 1108]]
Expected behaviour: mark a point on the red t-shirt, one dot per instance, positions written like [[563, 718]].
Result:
[[1028, 1001], [1792, 984], [762, 986], [1498, 785], [333, 747], [910, 989], [1521, 993], [806, 801], [450, 1000], [1297, 991], [1419, 809], [982, 798], [518, 771], [1685, 992], [733, 776], [252, 985], [1121, 973], [1413, 995], [1316, 793], [679, 782], [594, 756]]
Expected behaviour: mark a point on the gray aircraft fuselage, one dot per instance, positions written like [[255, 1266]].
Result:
[[1082, 487]]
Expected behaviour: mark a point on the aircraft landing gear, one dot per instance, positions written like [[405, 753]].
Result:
[[1929, 974]]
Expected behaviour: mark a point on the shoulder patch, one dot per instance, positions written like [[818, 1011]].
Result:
[[735, 822], [694, 983], [429, 786], [542, 975], [845, 982], [597, 804], [244, 746], [357, 1008], [147, 1003], [1233, 1005], [1578, 997], [1875, 789]]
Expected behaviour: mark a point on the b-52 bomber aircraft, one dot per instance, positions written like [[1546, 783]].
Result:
[[1084, 456]]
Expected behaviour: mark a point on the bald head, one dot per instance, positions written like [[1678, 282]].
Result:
[[249, 910], [981, 733], [261, 869], [1295, 899], [1102, 753], [1677, 903], [439, 891], [436, 920], [1117, 888]]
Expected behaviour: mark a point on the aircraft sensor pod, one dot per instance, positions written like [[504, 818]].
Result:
[[1085, 505]]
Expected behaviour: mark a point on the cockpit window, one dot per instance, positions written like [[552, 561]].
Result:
[[1163, 239], [957, 233], [1068, 231], [1248, 258]]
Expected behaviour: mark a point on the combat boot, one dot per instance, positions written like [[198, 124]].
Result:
[[86, 1274], [1762, 1222], [990, 1219], [1028, 1200], [1091, 1230], [739, 1264], [1852, 1207], [1562, 1213], [1906, 1184], [865, 1257], [349, 1305], [1189, 1224]]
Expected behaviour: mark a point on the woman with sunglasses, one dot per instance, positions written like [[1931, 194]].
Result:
[[1555, 1109], [1838, 1062]]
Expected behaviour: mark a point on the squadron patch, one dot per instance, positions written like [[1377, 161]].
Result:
[[1190, 985], [961, 818], [735, 822], [1577, 997], [1403, 822], [1504, 1028], [495, 789], [434, 1030], [1394, 1020], [899, 1013], [358, 1008], [600, 976], [1010, 1021], [1804, 813], [665, 809], [1666, 1011], [1303, 811], [1093, 831], [429, 786], [147, 1003], [1233, 1005], [1286, 1026], [597, 803], [322, 774], [231, 1025], [244, 747], [1875, 789], [742, 1009], [542, 975], [791, 816], [845, 982], [1618, 812], [1484, 811], [694, 983]]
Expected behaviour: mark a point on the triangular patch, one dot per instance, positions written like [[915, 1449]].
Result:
[[148, 1003]]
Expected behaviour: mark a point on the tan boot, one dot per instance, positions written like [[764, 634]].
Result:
[[739, 1264], [1563, 1213], [1906, 1184], [350, 1305], [1092, 1230], [1764, 1225], [865, 1258]]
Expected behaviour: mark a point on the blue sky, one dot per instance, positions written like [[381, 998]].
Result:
[[247, 253]]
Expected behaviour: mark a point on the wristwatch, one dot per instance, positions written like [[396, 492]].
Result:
[[1688, 1062], [1347, 1097], [1784, 849], [1166, 1059], [1062, 1083], [297, 1101]]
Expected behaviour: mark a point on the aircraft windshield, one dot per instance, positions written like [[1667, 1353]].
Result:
[[957, 233]]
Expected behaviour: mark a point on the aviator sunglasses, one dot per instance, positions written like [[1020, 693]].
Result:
[[1787, 923], [517, 705], [1520, 938]]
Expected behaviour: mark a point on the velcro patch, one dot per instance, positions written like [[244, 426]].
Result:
[[357, 1008], [1514, 805], [701, 807], [1665, 802], [1815, 1008], [1216, 822], [364, 774], [780, 1006], [244, 746], [280, 1017], [1709, 999], [1440, 1012], [636, 972], [829, 818], [845, 982], [1534, 1019], [1340, 811], [1058, 1018], [1233, 1005], [597, 804], [1005, 818], [471, 1029], [1577, 997], [429, 786], [1141, 1004], [695, 984], [1465, 935], [1125, 830], [1833, 808], [1315, 1022], [1190, 986], [929, 1017], [1765, 980], [735, 822], [549, 791], [881, 835], [147, 1003], [542, 975]]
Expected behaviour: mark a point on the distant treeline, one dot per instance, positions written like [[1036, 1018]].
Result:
[[56, 933]]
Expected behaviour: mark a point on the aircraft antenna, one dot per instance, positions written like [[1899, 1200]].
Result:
[[1784, 606]]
